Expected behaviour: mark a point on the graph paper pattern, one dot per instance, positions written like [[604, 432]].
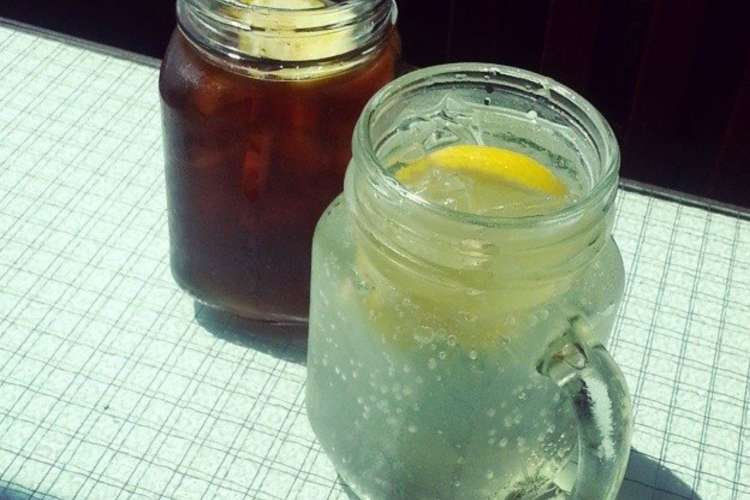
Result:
[[114, 386]]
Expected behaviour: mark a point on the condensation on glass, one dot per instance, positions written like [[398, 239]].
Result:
[[459, 356]]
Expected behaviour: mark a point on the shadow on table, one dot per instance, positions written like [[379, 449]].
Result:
[[347, 490], [8, 492], [645, 479], [287, 342]]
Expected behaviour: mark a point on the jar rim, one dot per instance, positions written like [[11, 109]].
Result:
[[319, 16], [342, 5], [273, 40], [609, 155]]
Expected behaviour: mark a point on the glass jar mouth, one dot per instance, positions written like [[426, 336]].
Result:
[[590, 125], [342, 5], [287, 40], [323, 18]]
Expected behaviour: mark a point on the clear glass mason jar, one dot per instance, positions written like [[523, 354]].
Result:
[[258, 107], [459, 356]]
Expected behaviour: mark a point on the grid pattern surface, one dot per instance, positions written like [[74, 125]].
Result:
[[113, 385]]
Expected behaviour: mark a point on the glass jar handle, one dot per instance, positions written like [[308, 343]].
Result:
[[599, 395]]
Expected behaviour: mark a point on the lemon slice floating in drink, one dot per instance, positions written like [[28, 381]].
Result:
[[287, 4], [281, 18], [484, 180], [474, 179], [494, 165]]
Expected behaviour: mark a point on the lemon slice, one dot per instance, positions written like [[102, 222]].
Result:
[[490, 164], [287, 4], [304, 46], [478, 321]]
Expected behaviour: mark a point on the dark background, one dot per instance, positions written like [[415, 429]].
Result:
[[672, 76]]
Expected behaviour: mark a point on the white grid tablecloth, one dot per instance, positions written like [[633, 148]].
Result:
[[113, 385]]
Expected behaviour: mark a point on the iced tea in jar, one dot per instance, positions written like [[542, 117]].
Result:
[[259, 101]]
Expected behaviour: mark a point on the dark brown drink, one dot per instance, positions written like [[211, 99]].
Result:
[[251, 164]]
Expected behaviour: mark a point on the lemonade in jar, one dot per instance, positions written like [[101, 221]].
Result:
[[463, 287]]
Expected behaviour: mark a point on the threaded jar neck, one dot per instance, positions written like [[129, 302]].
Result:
[[290, 41], [487, 251]]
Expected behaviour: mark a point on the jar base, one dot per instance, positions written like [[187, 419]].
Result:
[[285, 341], [252, 315], [227, 303]]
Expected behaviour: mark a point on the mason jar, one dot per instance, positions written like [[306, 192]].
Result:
[[259, 100], [460, 356]]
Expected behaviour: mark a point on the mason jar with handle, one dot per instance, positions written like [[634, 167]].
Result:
[[461, 356]]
